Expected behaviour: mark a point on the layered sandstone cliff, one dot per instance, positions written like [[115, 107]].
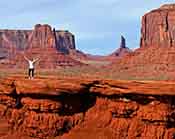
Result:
[[77, 108], [158, 27]]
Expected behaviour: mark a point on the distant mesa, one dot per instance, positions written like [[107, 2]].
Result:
[[122, 50]]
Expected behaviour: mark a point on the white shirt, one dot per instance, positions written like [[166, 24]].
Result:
[[31, 64]]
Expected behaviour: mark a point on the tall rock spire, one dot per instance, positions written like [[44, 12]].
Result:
[[122, 50], [123, 42]]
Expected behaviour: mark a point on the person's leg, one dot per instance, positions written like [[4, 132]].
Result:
[[29, 72], [32, 73]]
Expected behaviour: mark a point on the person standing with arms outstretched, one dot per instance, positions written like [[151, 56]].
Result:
[[31, 66]]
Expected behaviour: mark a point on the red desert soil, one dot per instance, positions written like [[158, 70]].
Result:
[[76, 108]]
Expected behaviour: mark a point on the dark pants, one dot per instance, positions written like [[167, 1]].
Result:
[[31, 72]]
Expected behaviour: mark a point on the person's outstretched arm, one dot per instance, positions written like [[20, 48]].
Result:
[[37, 59], [26, 58]]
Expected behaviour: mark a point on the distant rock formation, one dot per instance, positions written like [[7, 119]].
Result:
[[123, 50], [156, 55], [53, 46], [42, 36], [158, 27], [123, 42]]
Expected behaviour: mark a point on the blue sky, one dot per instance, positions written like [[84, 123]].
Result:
[[97, 24]]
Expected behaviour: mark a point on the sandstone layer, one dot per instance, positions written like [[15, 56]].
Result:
[[78, 108]]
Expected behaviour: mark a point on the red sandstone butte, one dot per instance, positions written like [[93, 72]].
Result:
[[51, 46], [158, 27], [41, 36]]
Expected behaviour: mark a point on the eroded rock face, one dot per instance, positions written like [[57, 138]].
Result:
[[12, 41], [65, 42], [42, 36], [158, 27], [77, 108]]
